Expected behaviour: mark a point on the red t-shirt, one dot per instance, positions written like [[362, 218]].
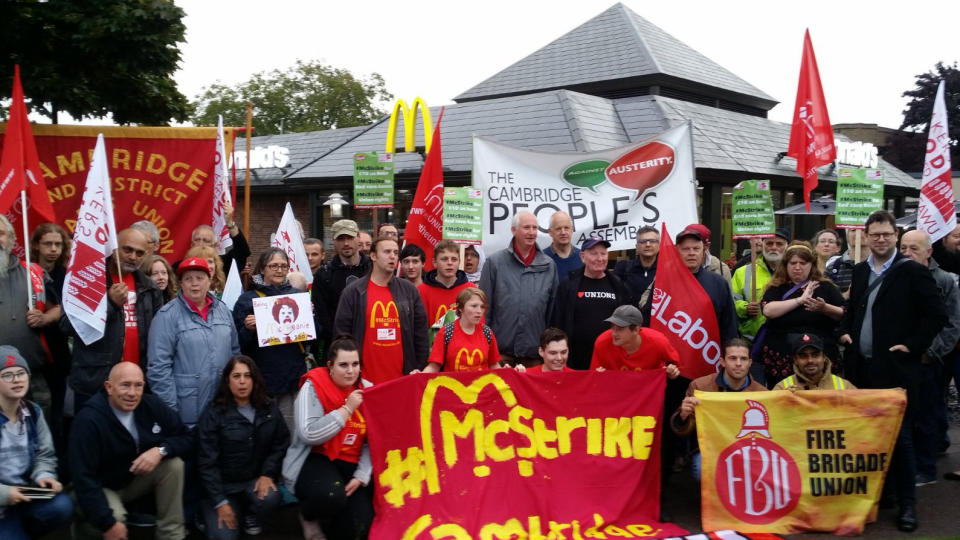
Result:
[[382, 344], [438, 300], [655, 352], [131, 334], [539, 369], [465, 352]]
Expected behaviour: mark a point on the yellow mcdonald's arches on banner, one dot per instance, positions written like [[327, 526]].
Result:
[[409, 126], [788, 462]]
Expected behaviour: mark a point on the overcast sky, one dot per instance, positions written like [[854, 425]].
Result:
[[868, 52]]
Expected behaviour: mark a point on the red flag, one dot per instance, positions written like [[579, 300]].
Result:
[[684, 313], [811, 136], [425, 223], [19, 165]]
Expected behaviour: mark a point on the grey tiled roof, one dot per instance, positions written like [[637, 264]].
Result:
[[616, 44], [303, 148]]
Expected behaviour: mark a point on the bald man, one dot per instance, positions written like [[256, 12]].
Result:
[[125, 444], [132, 301], [520, 282], [204, 235], [564, 254]]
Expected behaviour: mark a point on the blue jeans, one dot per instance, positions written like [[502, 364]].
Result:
[[35, 519], [696, 465], [243, 503]]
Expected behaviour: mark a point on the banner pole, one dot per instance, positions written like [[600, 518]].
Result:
[[856, 247], [26, 247], [753, 274], [246, 176]]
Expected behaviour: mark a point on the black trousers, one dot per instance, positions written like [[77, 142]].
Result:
[[321, 488]]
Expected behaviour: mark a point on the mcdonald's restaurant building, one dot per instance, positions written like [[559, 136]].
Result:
[[614, 80]]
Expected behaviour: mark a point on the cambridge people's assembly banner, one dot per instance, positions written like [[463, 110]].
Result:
[[161, 174], [609, 194], [502, 454], [789, 462]]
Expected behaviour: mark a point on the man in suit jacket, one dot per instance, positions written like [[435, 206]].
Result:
[[894, 313]]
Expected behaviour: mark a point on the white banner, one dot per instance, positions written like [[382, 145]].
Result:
[[95, 237], [936, 213], [233, 288], [609, 194], [221, 193], [289, 239]]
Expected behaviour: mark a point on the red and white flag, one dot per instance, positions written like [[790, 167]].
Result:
[[936, 213], [684, 313], [221, 193], [425, 222], [20, 169], [290, 240], [95, 238], [811, 135]]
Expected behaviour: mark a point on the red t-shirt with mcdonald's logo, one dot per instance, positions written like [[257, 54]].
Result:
[[465, 352], [382, 345], [438, 300]]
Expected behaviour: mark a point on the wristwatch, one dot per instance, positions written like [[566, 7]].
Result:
[[163, 451]]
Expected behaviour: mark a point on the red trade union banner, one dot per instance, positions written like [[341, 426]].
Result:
[[790, 462], [683, 312], [161, 174], [502, 454]]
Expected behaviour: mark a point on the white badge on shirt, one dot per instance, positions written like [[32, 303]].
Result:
[[386, 334]]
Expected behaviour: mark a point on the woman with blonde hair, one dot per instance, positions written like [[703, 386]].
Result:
[[798, 300], [219, 279], [161, 273]]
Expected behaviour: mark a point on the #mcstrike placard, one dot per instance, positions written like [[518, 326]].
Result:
[[463, 215], [859, 193], [372, 180], [753, 210], [287, 318]]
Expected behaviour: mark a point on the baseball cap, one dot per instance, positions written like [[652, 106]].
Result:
[[591, 242], [193, 263], [345, 227], [702, 229], [808, 340], [626, 315], [689, 233], [10, 357]]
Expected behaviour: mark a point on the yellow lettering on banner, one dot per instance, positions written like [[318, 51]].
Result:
[[196, 179], [565, 427], [516, 425], [175, 173], [594, 437], [121, 159], [417, 527], [59, 193], [490, 441], [453, 428], [47, 173], [513, 528], [156, 164], [74, 165], [643, 435], [544, 436], [450, 531]]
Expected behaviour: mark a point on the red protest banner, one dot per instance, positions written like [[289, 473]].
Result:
[[502, 454], [164, 175]]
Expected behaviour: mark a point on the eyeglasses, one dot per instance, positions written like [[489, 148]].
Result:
[[277, 266], [10, 376], [647, 242], [879, 235]]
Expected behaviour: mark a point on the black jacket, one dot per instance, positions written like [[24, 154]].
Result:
[[91, 363], [720, 294], [281, 365], [352, 314], [562, 316], [636, 278], [907, 310], [102, 450], [328, 284], [231, 451]]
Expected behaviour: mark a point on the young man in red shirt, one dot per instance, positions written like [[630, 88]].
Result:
[[385, 315], [627, 346], [554, 350], [441, 285]]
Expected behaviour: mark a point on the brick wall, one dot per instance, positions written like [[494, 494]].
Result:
[[265, 213]]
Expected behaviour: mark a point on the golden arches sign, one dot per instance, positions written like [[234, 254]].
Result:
[[409, 126]]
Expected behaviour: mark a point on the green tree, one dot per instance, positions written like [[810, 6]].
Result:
[[906, 148], [93, 58], [308, 96]]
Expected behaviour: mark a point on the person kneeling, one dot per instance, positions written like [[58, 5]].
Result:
[[241, 441], [27, 455], [811, 368], [329, 461], [124, 445]]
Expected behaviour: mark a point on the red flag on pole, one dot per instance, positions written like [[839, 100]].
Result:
[[684, 313], [425, 224], [811, 136], [19, 164]]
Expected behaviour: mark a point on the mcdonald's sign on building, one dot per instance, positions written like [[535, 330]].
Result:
[[409, 115]]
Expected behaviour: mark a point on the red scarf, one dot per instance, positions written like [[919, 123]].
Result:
[[528, 260], [347, 444], [36, 281]]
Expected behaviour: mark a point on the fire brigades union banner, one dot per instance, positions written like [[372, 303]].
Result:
[[161, 174], [502, 454], [789, 462], [609, 194]]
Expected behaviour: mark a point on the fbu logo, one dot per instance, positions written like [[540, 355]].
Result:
[[757, 480]]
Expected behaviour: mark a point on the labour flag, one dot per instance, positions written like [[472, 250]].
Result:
[[221, 193], [811, 135], [684, 313], [95, 237], [425, 223], [19, 164], [936, 213]]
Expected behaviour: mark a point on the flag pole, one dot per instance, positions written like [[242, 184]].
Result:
[[26, 247], [246, 176]]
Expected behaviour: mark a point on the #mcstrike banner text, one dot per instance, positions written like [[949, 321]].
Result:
[[501, 453], [609, 194]]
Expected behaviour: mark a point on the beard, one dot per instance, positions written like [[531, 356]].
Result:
[[772, 257]]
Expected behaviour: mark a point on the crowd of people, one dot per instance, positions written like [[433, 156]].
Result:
[[179, 401]]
